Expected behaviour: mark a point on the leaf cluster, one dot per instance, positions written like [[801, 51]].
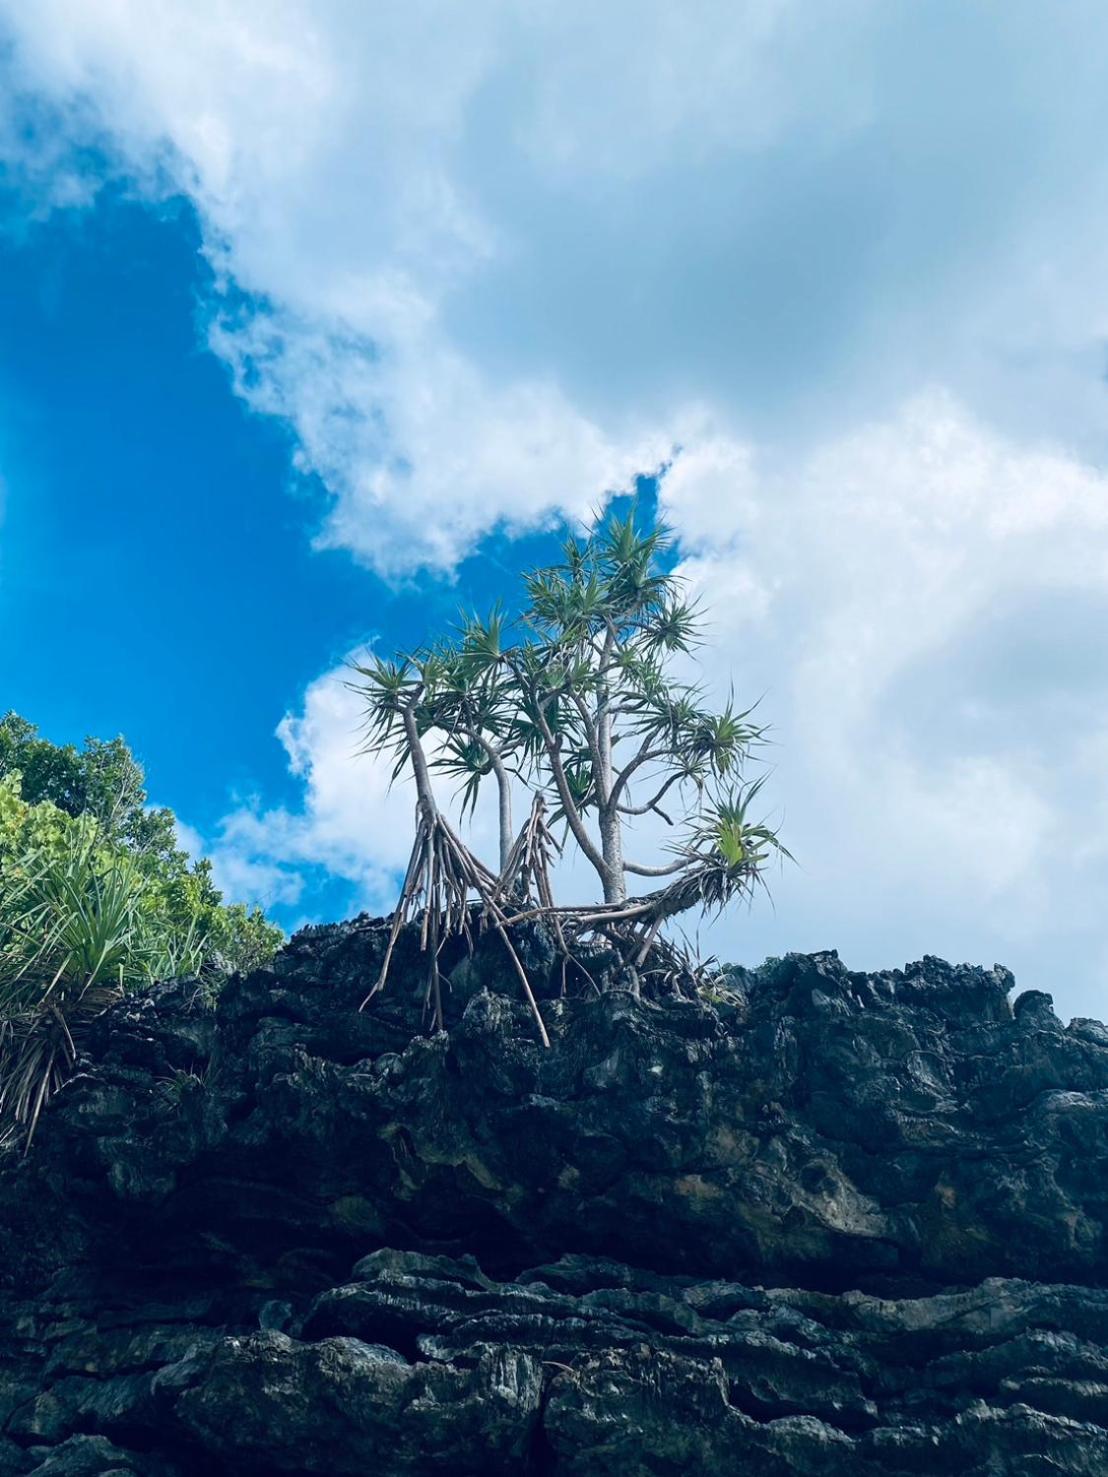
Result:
[[102, 779], [45, 786], [576, 698], [94, 903]]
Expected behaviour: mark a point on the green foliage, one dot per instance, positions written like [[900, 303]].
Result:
[[102, 780], [48, 785], [577, 700], [577, 705], [96, 900], [77, 930]]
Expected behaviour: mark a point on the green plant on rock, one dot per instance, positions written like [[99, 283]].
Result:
[[95, 903], [103, 784], [574, 709], [76, 932]]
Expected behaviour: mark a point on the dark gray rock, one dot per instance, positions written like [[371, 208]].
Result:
[[822, 1222]]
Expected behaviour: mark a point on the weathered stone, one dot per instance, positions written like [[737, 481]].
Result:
[[823, 1222]]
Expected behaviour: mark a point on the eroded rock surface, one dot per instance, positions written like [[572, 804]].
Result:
[[825, 1223]]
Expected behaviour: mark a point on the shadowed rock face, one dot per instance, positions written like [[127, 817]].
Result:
[[827, 1223]]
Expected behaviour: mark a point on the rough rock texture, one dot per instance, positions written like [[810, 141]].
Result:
[[825, 1223]]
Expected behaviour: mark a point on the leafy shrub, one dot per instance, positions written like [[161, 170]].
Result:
[[578, 705], [77, 930], [96, 901]]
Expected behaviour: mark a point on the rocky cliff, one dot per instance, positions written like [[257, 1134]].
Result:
[[824, 1223]]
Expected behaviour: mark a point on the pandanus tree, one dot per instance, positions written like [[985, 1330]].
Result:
[[574, 708]]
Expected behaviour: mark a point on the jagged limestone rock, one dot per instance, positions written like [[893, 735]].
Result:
[[824, 1223]]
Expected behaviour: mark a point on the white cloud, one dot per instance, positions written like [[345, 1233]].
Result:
[[349, 823], [489, 263], [317, 143], [920, 600], [486, 455], [921, 603], [492, 257]]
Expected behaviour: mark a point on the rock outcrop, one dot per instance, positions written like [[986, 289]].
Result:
[[826, 1222]]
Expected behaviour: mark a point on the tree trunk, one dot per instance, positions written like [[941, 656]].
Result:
[[611, 843], [611, 830], [506, 838], [424, 793]]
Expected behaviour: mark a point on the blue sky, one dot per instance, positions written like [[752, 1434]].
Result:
[[316, 319], [161, 544]]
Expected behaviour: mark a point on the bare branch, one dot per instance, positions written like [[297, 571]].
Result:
[[504, 790], [417, 756], [640, 871], [644, 756], [592, 738], [656, 801]]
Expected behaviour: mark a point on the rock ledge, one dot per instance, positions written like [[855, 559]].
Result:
[[825, 1223]]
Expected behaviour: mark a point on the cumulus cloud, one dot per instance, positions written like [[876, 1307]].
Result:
[[350, 822], [920, 601], [490, 263], [319, 145], [481, 454], [919, 605], [487, 262]]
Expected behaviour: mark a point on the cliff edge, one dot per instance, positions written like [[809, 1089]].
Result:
[[825, 1222]]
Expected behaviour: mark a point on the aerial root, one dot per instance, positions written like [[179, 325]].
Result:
[[442, 882], [449, 893]]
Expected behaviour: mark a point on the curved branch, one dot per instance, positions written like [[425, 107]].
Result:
[[418, 757], [644, 756], [639, 871], [653, 804], [572, 815], [504, 791], [592, 738]]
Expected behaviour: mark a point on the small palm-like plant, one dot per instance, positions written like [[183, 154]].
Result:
[[575, 705], [76, 933]]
